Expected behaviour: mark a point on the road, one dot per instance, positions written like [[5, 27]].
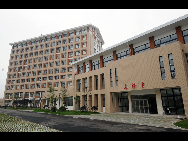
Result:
[[70, 124]]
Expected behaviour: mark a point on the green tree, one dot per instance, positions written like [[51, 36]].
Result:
[[51, 95], [64, 94], [15, 97]]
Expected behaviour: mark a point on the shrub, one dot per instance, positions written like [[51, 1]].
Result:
[[63, 108], [53, 109]]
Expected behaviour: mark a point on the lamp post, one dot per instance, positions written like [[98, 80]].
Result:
[[59, 103]]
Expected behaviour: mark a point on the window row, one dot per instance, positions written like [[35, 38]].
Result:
[[88, 87], [52, 38], [38, 85], [171, 64]]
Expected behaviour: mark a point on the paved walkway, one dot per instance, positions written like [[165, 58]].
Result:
[[165, 121], [97, 123]]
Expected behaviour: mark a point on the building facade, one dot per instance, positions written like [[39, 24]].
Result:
[[147, 73], [36, 64]]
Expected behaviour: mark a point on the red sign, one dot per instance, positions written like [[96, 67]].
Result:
[[125, 86], [133, 85], [142, 84]]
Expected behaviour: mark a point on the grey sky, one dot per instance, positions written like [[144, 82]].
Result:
[[115, 25]]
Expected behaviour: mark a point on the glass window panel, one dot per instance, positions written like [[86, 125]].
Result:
[[176, 91], [162, 64], [171, 101], [165, 101], [169, 92], [178, 100], [185, 39], [185, 32]]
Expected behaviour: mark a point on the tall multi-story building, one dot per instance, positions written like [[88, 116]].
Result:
[[40, 62], [147, 73]]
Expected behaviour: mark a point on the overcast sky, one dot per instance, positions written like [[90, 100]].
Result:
[[115, 25]]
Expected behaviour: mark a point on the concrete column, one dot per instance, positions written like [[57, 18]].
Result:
[[159, 102], [84, 67], [131, 50], [100, 103], [130, 103]]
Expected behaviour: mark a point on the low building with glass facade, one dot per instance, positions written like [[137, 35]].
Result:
[[147, 73]]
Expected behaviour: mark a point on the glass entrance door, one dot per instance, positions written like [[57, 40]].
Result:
[[140, 106]]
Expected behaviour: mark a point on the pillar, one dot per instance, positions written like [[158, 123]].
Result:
[[152, 43], [131, 50], [101, 61], [130, 103], [159, 102], [77, 71], [179, 34], [100, 103], [114, 55], [84, 67], [90, 65]]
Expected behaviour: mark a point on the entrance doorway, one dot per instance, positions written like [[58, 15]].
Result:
[[140, 106], [144, 103]]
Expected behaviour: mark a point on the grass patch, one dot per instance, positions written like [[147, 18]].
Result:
[[67, 112], [182, 124], [70, 112], [13, 124]]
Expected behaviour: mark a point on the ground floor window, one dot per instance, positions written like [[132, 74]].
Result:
[[69, 101], [172, 101], [123, 102]]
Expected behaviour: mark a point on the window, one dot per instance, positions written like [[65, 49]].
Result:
[[64, 41], [62, 83], [96, 81], [63, 69], [69, 76], [53, 43], [59, 36], [78, 32], [96, 65], [70, 47], [81, 70], [69, 101], [111, 82], [65, 35], [63, 76], [51, 64], [56, 77], [69, 83], [51, 57], [77, 45], [54, 37], [172, 100], [77, 38], [83, 44], [166, 40], [77, 53], [107, 60], [70, 54], [64, 48], [42, 40], [57, 63], [46, 65], [47, 45], [63, 62], [47, 51], [48, 39], [79, 84], [87, 68], [64, 55], [84, 37], [83, 52], [71, 33], [70, 61], [38, 86], [52, 50], [162, 68], [90, 79], [56, 70], [70, 69], [85, 84], [185, 36], [58, 50], [38, 41], [84, 30], [116, 76], [142, 48], [44, 85], [50, 78], [51, 71], [171, 63]]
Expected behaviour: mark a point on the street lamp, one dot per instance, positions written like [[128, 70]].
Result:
[[59, 103]]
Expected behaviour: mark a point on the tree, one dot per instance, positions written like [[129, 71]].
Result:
[[15, 98], [64, 94], [51, 95]]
